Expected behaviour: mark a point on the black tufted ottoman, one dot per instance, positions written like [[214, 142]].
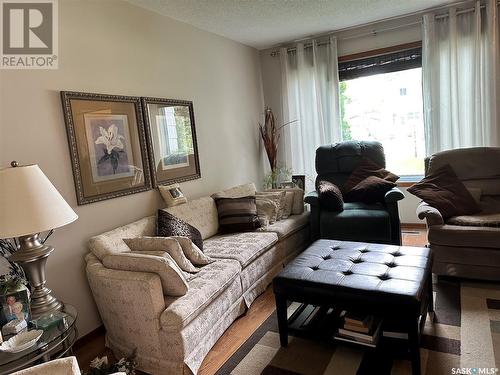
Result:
[[392, 282]]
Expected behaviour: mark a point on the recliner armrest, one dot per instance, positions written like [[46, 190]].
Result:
[[430, 214], [393, 195], [312, 198]]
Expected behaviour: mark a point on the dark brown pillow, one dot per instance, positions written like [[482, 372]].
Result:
[[330, 196], [237, 214], [444, 191], [168, 225], [366, 169], [370, 190]]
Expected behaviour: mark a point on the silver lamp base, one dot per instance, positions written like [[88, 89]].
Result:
[[32, 256]]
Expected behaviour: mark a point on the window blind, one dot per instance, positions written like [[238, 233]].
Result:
[[391, 62]]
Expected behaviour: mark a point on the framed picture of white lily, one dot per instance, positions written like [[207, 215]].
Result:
[[171, 136], [108, 147]]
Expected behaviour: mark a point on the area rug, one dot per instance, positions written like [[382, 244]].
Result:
[[464, 338]]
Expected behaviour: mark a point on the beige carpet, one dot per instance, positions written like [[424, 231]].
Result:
[[465, 335]]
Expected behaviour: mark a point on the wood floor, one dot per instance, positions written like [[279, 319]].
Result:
[[237, 333]]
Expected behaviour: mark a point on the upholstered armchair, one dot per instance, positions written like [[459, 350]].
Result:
[[467, 246], [377, 222]]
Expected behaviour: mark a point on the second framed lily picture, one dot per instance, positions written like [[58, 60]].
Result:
[[107, 141], [173, 151]]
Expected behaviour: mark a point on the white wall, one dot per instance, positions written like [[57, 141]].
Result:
[[114, 47], [349, 44]]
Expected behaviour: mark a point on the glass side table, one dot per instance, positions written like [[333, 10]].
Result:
[[56, 342]]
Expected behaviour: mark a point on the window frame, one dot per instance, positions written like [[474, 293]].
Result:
[[377, 59]]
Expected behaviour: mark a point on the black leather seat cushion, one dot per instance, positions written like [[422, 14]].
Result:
[[385, 275], [365, 222]]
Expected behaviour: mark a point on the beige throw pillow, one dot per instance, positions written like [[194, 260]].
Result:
[[188, 276], [287, 210], [239, 191], [167, 244], [266, 211], [278, 197], [298, 199], [172, 280], [193, 252]]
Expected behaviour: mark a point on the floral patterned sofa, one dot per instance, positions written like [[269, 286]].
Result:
[[173, 335]]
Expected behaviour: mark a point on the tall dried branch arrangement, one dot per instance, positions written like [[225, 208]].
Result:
[[270, 137]]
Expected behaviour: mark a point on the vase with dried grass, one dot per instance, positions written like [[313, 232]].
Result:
[[270, 134]]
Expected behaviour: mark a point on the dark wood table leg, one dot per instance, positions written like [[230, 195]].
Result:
[[414, 343], [281, 311]]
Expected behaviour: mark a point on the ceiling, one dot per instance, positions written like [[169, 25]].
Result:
[[266, 23]]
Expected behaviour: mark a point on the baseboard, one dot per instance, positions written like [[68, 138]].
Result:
[[89, 337], [414, 226]]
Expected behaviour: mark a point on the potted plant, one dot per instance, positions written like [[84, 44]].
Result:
[[270, 135]]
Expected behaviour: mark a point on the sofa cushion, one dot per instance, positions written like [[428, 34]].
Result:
[[193, 252], [367, 168], [443, 190], [266, 211], [163, 245], [200, 213], [208, 284], [168, 225], [243, 247], [172, 279], [370, 190], [237, 191], [478, 220], [361, 221], [237, 214], [298, 199], [463, 236], [330, 197], [278, 197], [287, 227], [112, 242]]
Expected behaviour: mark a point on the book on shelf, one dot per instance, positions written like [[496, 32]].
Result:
[[395, 335], [356, 319], [369, 337], [356, 328], [340, 338]]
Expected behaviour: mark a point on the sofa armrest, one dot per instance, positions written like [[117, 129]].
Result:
[[312, 198], [430, 214], [393, 195], [130, 304]]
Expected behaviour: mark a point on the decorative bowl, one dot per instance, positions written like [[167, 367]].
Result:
[[21, 341]]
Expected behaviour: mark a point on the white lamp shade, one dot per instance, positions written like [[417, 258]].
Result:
[[29, 203]]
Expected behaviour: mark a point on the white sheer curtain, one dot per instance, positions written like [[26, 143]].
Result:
[[460, 78], [310, 91]]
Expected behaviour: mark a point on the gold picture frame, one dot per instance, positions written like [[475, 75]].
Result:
[[107, 143], [171, 137]]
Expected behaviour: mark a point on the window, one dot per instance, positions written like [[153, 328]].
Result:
[[381, 99]]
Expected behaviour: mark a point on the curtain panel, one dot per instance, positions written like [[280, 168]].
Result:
[[460, 78], [310, 92]]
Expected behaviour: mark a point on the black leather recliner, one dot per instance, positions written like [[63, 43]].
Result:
[[376, 223]]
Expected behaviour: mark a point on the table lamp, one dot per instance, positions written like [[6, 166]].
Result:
[[29, 205]]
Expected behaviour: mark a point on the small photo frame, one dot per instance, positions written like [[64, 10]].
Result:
[[172, 195], [299, 181], [15, 306]]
